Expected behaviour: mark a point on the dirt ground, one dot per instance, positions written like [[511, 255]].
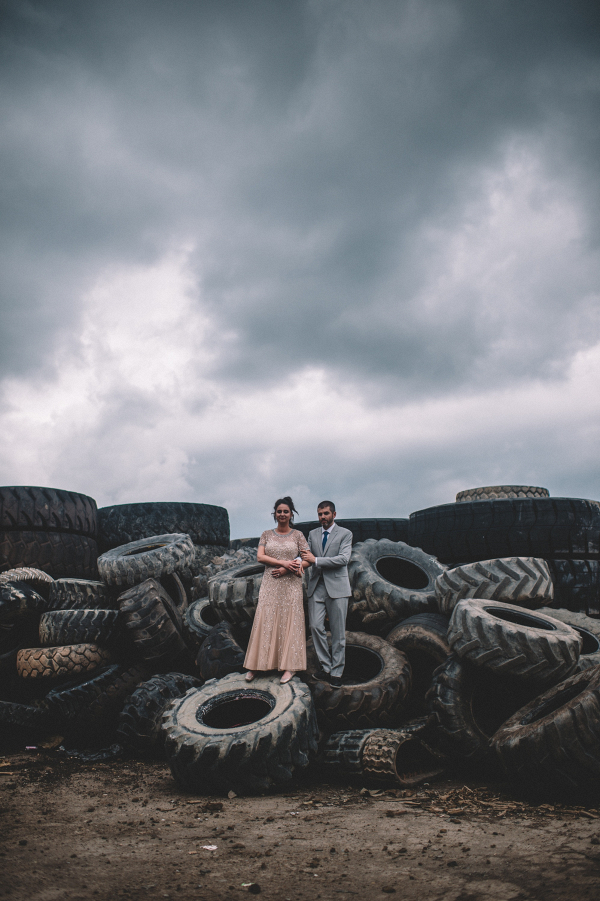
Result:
[[74, 830]]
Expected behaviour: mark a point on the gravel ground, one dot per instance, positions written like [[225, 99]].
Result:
[[74, 830]]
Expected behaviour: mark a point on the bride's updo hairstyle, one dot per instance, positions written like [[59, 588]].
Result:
[[289, 503]]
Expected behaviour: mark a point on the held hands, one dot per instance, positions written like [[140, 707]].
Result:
[[292, 566]]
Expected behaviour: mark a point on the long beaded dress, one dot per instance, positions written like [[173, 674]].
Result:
[[278, 637]]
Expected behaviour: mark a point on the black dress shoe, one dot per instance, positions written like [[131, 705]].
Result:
[[321, 676], [335, 681]]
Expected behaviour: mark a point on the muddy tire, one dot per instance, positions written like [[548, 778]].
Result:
[[56, 553], [233, 735], [36, 578], [149, 558], [513, 641], [20, 601], [550, 528], [92, 707], [29, 508], [124, 523], [589, 631], [554, 742], [500, 491], [154, 623], [423, 640], [139, 727], [60, 627], [176, 591], [525, 581], [364, 529], [223, 651], [470, 705], [234, 592], [27, 719], [375, 684], [390, 756], [81, 594], [200, 618], [390, 582], [51, 663], [577, 585]]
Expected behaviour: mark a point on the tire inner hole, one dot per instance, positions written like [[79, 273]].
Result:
[[552, 704], [144, 550], [590, 641], [208, 615], [414, 762], [236, 709], [402, 573], [362, 665], [520, 619]]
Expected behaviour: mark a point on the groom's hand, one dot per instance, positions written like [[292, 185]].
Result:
[[308, 557]]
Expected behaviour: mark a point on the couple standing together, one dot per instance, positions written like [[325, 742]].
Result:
[[278, 633]]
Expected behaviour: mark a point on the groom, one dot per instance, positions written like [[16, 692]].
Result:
[[328, 591]]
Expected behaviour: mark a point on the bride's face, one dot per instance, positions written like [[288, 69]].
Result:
[[283, 514]]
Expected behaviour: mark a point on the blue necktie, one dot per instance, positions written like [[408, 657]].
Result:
[[325, 537]]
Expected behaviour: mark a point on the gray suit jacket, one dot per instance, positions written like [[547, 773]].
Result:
[[332, 564]]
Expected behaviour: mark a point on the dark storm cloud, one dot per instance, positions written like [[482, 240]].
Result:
[[304, 146]]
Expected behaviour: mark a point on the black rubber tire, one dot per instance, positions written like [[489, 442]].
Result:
[[390, 581], [51, 663], [513, 641], [81, 594], [200, 618], [205, 746], [589, 630], [139, 727], [493, 492], [470, 704], [375, 684], [392, 756], [29, 508], [58, 627], [176, 591], [234, 592], [13, 637], [28, 719], [551, 527], [423, 640], [20, 601], [577, 585], [223, 651], [525, 581], [148, 558], [36, 578], [554, 742], [92, 706], [124, 523], [154, 624], [363, 529], [60, 554]]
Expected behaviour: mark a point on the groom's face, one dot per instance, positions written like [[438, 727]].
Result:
[[326, 516]]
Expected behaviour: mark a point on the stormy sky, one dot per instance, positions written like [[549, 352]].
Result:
[[332, 248]]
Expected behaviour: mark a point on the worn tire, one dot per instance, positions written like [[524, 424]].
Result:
[[554, 742], [57, 553], [148, 558], [223, 651], [513, 641], [550, 527], [390, 581], [234, 592], [588, 629], [50, 663], [29, 508], [525, 581], [390, 756], [494, 492], [20, 601], [363, 529], [28, 719], [92, 706], [199, 619], [60, 627], [81, 594], [470, 705], [375, 684], [577, 585], [124, 523], [154, 623], [278, 733], [36, 578], [423, 640], [139, 727]]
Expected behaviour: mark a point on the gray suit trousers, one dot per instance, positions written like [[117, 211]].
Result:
[[319, 604]]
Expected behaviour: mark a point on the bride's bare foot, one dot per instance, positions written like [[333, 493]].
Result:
[[286, 677], [250, 676]]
